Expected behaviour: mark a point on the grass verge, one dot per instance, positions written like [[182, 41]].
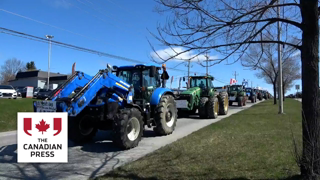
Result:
[[253, 144], [9, 109]]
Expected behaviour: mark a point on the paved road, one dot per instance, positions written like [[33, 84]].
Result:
[[96, 158]]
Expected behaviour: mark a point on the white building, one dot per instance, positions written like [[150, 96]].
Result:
[[37, 79]]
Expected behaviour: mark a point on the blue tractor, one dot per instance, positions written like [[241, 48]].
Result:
[[252, 95], [123, 99]]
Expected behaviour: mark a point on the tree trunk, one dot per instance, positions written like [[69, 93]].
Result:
[[310, 164], [274, 93]]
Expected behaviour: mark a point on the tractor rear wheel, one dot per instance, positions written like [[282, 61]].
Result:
[[81, 129], [253, 99], [240, 101], [128, 128], [213, 107], [203, 107], [223, 103], [165, 116]]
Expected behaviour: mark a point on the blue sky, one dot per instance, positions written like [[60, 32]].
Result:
[[117, 27]]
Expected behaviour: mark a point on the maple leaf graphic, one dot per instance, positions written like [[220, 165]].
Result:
[[42, 126]]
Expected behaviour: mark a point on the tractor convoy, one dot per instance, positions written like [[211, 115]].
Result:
[[126, 99]]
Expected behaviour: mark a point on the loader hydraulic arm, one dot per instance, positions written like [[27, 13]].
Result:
[[76, 80], [103, 80]]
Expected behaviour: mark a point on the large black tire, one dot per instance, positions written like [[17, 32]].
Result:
[[128, 128], [81, 129], [253, 99], [213, 107], [203, 107], [165, 116], [223, 103], [240, 101]]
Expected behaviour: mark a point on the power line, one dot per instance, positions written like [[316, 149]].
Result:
[[65, 45], [53, 26]]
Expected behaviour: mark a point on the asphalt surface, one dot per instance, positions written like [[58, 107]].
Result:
[[95, 158]]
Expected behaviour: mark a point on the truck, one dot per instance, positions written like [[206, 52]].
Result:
[[237, 94], [200, 95], [122, 99]]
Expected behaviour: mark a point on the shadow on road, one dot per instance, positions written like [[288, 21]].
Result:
[[87, 161]]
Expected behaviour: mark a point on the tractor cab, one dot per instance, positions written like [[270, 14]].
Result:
[[143, 80], [236, 88], [203, 82]]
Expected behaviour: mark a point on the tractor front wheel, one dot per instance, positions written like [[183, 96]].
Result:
[[81, 129], [253, 99], [240, 101], [223, 103], [203, 107], [213, 107], [128, 128], [165, 116]]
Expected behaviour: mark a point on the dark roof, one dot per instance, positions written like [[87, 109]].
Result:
[[39, 74]]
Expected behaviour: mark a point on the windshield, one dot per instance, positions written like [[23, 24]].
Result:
[[248, 90], [195, 82], [5, 87], [131, 76], [235, 88]]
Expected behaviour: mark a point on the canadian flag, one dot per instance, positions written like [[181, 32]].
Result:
[[232, 81]]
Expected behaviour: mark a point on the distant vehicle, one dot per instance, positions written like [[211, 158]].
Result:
[[19, 91], [7, 91], [43, 93], [36, 91]]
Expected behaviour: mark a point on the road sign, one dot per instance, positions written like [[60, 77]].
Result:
[[297, 87]]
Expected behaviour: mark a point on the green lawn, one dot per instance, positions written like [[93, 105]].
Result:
[[253, 144], [9, 109]]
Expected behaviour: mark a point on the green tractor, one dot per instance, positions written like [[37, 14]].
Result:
[[237, 94], [201, 95]]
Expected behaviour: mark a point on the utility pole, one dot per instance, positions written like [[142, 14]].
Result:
[[207, 60], [279, 64], [235, 75], [49, 55], [189, 64]]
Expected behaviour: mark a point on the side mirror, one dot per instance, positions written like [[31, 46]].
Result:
[[152, 71]]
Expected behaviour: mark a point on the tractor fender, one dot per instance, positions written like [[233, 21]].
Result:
[[158, 93]]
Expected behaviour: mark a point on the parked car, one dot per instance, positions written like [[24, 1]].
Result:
[[19, 91], [7, 91], [43, 93], [36, 91]]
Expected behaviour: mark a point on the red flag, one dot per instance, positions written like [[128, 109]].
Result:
[[232, 81]]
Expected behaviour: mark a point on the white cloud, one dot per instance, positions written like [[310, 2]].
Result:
[[168, 52]]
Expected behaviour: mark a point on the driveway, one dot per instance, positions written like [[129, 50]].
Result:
[[96, 158]]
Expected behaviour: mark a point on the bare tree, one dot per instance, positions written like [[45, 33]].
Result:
[[267, 63], [231, 26], [9, 70], [291, 72]]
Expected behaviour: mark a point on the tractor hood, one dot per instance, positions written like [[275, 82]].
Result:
[[191, 91]]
